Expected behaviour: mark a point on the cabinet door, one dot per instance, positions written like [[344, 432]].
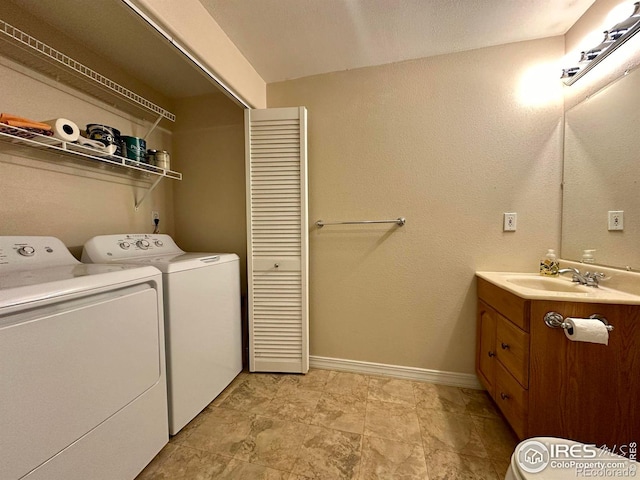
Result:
[[486, 347], [585, 391], [277, 239]]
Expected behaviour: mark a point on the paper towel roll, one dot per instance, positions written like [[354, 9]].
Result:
[[586, 330], [64, 129]]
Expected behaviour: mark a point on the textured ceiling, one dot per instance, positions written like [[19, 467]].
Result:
[[286, 39]]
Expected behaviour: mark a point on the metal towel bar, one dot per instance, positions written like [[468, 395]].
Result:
[[400, 221]]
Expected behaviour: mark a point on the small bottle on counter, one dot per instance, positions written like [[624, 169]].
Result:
[[549, 264], [587, 256]]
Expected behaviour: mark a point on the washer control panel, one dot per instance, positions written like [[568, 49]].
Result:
[[25, 252], [111, 248]]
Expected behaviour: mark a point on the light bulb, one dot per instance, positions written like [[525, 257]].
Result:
[[618, 14]]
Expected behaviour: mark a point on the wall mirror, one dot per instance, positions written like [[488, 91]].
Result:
[[602, 175]]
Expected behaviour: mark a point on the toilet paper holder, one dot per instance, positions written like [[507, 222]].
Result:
[[555, 320]]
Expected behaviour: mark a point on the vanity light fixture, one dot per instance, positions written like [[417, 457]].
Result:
[[613, 39]]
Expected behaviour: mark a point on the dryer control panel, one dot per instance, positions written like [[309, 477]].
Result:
[[17, 252], [111, 248]]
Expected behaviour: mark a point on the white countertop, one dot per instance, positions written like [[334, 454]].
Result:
[[618, 286]]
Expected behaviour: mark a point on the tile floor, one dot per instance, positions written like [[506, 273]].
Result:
[[337, 425]]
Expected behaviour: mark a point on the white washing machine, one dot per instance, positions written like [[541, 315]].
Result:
[[82, 367], [202, 315]]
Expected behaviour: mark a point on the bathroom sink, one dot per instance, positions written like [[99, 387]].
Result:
[[548, 284], [536, 287]]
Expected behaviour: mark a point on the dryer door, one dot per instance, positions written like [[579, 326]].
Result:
[[67, 367]]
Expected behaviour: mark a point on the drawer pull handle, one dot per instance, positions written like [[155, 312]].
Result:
[[505, 346], [276, 265], [492, 354], [504, 396]]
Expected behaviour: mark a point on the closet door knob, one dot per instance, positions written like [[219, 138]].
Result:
[[492, 354], [505, 346]]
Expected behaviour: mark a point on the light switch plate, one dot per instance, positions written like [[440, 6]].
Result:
[[510, 222], [616, 220]]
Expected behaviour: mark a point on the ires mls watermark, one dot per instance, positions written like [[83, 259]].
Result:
[[587, 461]]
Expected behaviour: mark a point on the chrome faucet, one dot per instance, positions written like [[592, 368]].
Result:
[[567, 270], [593, 279], [589, 279], [576, 275]]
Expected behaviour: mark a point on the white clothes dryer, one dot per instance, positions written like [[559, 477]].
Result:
[[82, 367], [202, 315]]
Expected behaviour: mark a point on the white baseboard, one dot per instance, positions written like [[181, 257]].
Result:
[[464, 380]]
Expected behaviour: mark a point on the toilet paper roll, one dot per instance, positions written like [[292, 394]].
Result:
[[586, 330], [64, 129]]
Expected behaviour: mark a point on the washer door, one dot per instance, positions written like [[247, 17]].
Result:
[[67, 367]]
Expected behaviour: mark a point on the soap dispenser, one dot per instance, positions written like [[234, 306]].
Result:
[[549, 264], [587, 256]]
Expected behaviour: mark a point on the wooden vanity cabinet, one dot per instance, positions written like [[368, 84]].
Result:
[[502, 359], [547, 385]]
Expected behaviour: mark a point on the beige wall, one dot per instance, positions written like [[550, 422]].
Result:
[[192, 25], [44, 194], [447, 143], [208, 142], [71, 200]]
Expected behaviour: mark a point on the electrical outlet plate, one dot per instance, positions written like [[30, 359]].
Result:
[[154, 216], [616, 220], [510, 222]]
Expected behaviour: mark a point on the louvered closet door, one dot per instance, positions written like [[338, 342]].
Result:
[[277, 257]]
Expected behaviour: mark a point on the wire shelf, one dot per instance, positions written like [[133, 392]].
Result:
[[74, 151], [65, 69]]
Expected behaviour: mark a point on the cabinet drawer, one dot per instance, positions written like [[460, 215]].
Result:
[[512, 399], [512, 346], [511, 306]]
